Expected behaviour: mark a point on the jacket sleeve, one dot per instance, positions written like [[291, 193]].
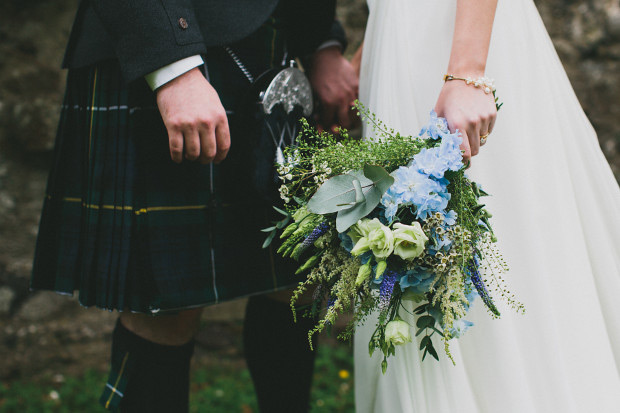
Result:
[[336, 33], [150, 34], [307, 23]]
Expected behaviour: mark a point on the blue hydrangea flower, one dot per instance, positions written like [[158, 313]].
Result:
[[345, 241], [418, 280], [459, 327]]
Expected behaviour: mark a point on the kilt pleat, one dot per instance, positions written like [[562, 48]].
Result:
[[131, 230]]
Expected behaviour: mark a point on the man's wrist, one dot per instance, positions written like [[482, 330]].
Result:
[[169, 72]]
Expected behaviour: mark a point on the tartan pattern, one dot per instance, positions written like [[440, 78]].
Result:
[[130, 229]]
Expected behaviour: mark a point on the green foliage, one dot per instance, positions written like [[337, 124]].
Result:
[[318, 156], [352, 195], [222, 387]]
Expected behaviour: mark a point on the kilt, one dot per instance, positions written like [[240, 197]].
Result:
[[131, 230]]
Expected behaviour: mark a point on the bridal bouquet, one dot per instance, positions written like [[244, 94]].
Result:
[[376, 223]]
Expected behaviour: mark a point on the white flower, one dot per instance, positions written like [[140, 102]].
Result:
[[397, 332]]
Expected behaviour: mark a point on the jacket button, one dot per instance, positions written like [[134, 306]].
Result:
[[183, 23]]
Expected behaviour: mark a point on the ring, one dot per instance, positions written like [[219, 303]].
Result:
[[483, 138]]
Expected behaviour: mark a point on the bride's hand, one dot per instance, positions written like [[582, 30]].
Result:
[[469, 110]]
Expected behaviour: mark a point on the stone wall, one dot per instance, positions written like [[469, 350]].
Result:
[[32, 38]]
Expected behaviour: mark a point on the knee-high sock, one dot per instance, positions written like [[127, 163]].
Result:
[[146, 376], [278, 356]]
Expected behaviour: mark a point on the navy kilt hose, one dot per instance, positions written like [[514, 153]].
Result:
[[130, 229]]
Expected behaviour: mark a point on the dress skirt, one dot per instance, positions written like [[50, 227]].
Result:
[[131, 230]]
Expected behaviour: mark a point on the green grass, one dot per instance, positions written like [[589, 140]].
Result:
[[223, 387]]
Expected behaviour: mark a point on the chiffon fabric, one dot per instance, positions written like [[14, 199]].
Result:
[[556, 209]]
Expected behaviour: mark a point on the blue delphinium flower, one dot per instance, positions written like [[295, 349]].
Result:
[[436, 128], [431, 162], [450, 151], [449, 218], [412, 187]]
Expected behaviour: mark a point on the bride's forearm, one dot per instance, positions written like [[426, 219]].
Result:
[[472, 35]]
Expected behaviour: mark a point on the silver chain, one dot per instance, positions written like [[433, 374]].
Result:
[[241, 66]]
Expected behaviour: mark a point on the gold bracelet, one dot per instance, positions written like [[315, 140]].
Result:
[[487, 84]]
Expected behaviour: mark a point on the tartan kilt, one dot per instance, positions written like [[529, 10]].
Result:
[[131, 230]]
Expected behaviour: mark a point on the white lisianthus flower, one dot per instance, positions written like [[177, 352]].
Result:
[[371, 234], [397, 332], [409, 240]]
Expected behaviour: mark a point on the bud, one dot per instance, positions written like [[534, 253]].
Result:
[[384, 366], [381, 266], [289, 230], [308, 264], [363, 274]]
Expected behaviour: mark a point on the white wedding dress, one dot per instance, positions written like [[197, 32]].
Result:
[[556, 209]]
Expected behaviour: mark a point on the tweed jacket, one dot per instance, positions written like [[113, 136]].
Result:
[[145, 35]]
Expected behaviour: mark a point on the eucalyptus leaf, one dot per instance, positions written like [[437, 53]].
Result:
[[425, 321], [281, 211], [433, 352], [268, 229], [269, 239], [337, 193], [437, 331], [379, 176], [425, 342], [359, 195], [283, 223]]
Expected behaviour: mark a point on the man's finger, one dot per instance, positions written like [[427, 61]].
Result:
[[191, 143], [208, 146], [175, 142], [222, 140]]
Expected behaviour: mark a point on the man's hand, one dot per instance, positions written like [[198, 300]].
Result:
[[195, 119], [336, 84]]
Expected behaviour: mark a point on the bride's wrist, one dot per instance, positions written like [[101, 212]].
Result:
[[486, 84]]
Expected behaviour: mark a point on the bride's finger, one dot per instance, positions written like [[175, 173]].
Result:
[[485, 128], [473, 134], [465, 148], [492, 123]]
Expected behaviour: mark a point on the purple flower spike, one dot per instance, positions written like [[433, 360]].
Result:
[[481, 288], [315, 234], [386, 289]]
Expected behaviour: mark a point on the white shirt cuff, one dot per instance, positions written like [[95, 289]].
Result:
[[329, 43], [165, 74]]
